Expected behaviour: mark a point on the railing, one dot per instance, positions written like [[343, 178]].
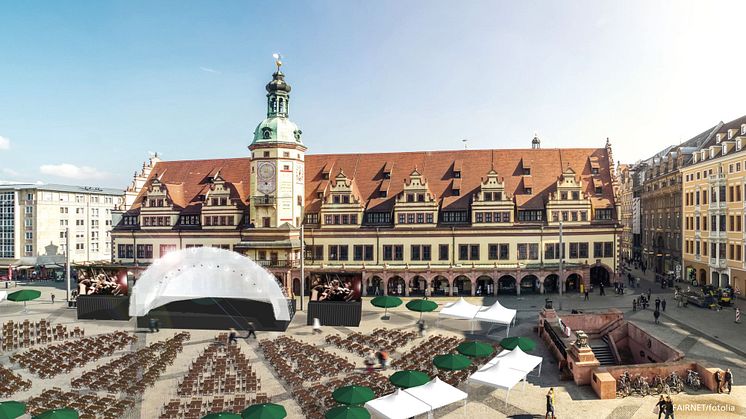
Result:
[[558, 342], [263, 200], [718, 263], [717, 177], [278, 263]]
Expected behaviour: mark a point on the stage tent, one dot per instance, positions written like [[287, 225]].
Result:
[[437, 393], [498, 314], [499, 375], [205, 272], [397, 405], [3, 295], [517, 359], [460, 309]]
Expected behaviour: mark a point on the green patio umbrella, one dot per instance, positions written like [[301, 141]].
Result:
[[58, 414], [222, 415], [347, 412], [386, 301], [11, 409], [409, 378], [526, 344], [264, 411], [422, 306], [451, 362], [475, 349], [353, 394], [24, 295]]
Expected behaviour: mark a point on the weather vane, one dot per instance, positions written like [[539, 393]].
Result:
[[278, 60]]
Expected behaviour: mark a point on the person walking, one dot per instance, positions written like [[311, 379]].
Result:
[[586, 295], [601, 290], [669, 408], [370, 361], [650, 292], [656, 314], [634, 305], [657, 304], [550, 404], [638, 282], [251, 330], [660, 407], [232, 336], [421, 327], [663, 304], [153, 325], [728, 380], [718, 382]]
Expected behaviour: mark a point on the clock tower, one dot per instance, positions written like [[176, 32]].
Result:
[[277, 162]]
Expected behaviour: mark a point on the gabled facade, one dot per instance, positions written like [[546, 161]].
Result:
[[432, 222]]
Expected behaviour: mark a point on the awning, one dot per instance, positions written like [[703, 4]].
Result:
[[23, 267], [278, 244]]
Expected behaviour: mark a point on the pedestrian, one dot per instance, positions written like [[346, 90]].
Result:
[[663, 304], [251, 330], [638, 282], [657, 303], [650, 292], [718, 380], [601, 290], [52, 298], [660, 407], [656, 314], [634, 305], [232, 336], [586, 295], [669, 408], [379, 358], [316, 325], [151, 325], [728, 379], [550, 404], [384, 359]]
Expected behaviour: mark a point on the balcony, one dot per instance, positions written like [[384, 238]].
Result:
[[718, 234], [718, 263], [717, 178], [278, 263], [263, 201]]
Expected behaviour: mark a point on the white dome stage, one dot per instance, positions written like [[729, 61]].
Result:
[[209, 288]]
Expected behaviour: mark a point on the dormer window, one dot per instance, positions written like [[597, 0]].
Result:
[[599, 190], [325, 176], [575, 195], [743, 129], [594, 170], [730, 133], [345, 199], [725, 148], [529, 191], [320, 195], [563, 196], [739, 144], [421, 197], [527, 171], [382, 194], [387, 175], [266, 133], [410, 197], [457, 174], [456, 192]]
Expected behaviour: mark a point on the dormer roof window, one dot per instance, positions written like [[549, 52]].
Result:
[[743, 129], [719, 137], [731, 132], [387, 168], [457, 169]]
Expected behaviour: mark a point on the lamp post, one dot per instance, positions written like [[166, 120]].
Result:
[[67, 262], [561, 259]]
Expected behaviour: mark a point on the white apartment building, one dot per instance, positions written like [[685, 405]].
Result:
[[34, 220]]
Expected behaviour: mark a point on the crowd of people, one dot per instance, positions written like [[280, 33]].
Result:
[[333, 290]]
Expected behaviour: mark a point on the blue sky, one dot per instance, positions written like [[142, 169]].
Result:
[[88, 88]]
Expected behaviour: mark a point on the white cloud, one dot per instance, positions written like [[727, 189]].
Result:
[[4, 143], [71, 171], [209, 70], [10, 172]]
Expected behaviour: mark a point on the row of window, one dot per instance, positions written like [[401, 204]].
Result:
[[423, 252], [340, 219], [415, 218], [162, 221], [717, 223], [219, 220], [492, 217], [731, 251], [576, 215]]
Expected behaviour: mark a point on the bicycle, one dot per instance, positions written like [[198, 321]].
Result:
[[675, 383], [660, 385]]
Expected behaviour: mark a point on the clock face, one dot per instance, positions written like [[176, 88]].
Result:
[[266, 181]]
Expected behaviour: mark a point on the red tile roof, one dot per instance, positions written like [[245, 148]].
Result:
[[187, 180]]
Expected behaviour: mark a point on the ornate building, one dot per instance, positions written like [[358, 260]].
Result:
[[431, 222], [713, 208]]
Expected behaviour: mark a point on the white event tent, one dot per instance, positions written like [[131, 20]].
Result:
[[465, 310], [3, 295], [499, 375], [410, 402], [517, 359], [398, 405], [202, 272]]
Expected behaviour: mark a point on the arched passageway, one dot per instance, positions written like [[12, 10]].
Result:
[[551, 283], [439, 286], [485, 285], [530, 284], [506, 284], [600, 275], [396, 286], [462, 285], [417, 285], [572, 283]]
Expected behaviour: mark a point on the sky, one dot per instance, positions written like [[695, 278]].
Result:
[[89, 88]]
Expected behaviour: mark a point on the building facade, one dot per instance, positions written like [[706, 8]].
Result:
[[625, 174], [34, 220], [435, 222], [660, 180], [713, 208]]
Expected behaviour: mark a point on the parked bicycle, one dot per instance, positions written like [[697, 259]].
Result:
[[624, 385], [692, 380], [660, 386], [675, 383], [640, 385]]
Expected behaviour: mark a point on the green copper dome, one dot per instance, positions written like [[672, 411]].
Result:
[[277, 129]]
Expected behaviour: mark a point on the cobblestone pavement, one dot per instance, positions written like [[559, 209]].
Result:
[[706, 335]]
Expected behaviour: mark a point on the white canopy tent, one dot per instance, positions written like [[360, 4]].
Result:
[[437, 393], [496, 313], [499, 375], [3, 295], [398, 405], [517, 359], [465, 310], [204, 272]]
